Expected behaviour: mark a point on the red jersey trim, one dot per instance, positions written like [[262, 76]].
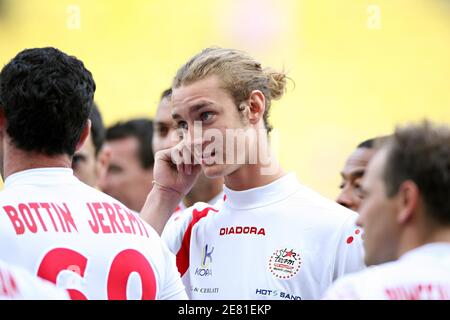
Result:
[[183, 253]]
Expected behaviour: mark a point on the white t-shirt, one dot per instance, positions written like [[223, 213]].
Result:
[[420, 274], [18, 284], [279, 241], [83, 240]]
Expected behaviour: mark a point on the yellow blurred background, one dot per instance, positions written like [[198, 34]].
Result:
[[359, 66]]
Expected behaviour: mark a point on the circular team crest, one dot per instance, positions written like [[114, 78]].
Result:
[[284, 263]]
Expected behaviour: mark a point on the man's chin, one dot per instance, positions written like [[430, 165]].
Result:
[[214, 170]]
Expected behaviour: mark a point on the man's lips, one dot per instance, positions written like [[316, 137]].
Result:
[[208, 159]]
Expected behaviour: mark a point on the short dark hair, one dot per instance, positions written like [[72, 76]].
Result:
[[368, 144], [373, 143], [46, 96], [142, 130], [166, 93], [97, 128], [421, 153]]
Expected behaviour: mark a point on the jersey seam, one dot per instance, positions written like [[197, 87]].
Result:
[[342, 230]]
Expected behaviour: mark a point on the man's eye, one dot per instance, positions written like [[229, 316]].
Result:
[[359, 191], [182, 125], [176, 132], [162, 131], [342, 185], [205, 116]]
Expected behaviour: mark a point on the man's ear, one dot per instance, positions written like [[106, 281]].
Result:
[[408, 200], [256, 106], [102, 163], [84, 135]]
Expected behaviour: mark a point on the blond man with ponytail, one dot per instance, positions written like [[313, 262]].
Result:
[[272, 237]]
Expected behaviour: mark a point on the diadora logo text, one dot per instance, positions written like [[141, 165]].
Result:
[[242, 230]]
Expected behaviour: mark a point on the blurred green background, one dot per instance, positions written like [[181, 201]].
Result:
[[359, 66]]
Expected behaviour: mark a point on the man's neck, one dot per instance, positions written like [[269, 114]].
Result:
[[253, 176], [441, 235], [437, 234], [16, 160], [204, 190]]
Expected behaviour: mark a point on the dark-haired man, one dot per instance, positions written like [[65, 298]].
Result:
[[130, 171], [352, 174], [52, 224], [406, 219]]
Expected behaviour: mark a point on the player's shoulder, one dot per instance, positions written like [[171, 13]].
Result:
[[201, 210], [197, 213], [87, 191], [375, 274], [91, 194], [8, 195], [307, 203]]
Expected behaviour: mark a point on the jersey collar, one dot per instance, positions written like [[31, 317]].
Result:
[[262, 196], [439, 250], [40, 176]]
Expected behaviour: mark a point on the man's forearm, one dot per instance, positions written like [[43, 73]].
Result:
[[159, 206]]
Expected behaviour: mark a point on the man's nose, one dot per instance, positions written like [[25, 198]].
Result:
[[345, 198]]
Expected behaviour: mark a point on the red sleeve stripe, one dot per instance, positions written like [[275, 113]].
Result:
[[183, 253]]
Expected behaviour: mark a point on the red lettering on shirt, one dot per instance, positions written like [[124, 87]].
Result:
[[35, 207], [419, 292], [94, 222], [133, 221], [67, 217], [126, 228], [8, 286], [46, 206], [242, 230], [15, 220], [111, 218], [63, 227], [29, 217]]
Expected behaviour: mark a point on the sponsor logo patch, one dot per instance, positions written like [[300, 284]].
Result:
[[284, 263], [205, 270]]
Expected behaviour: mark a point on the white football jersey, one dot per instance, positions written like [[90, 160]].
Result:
[[420, 274], [83, 240], [279, 241], [181, 208], [18, 284]]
